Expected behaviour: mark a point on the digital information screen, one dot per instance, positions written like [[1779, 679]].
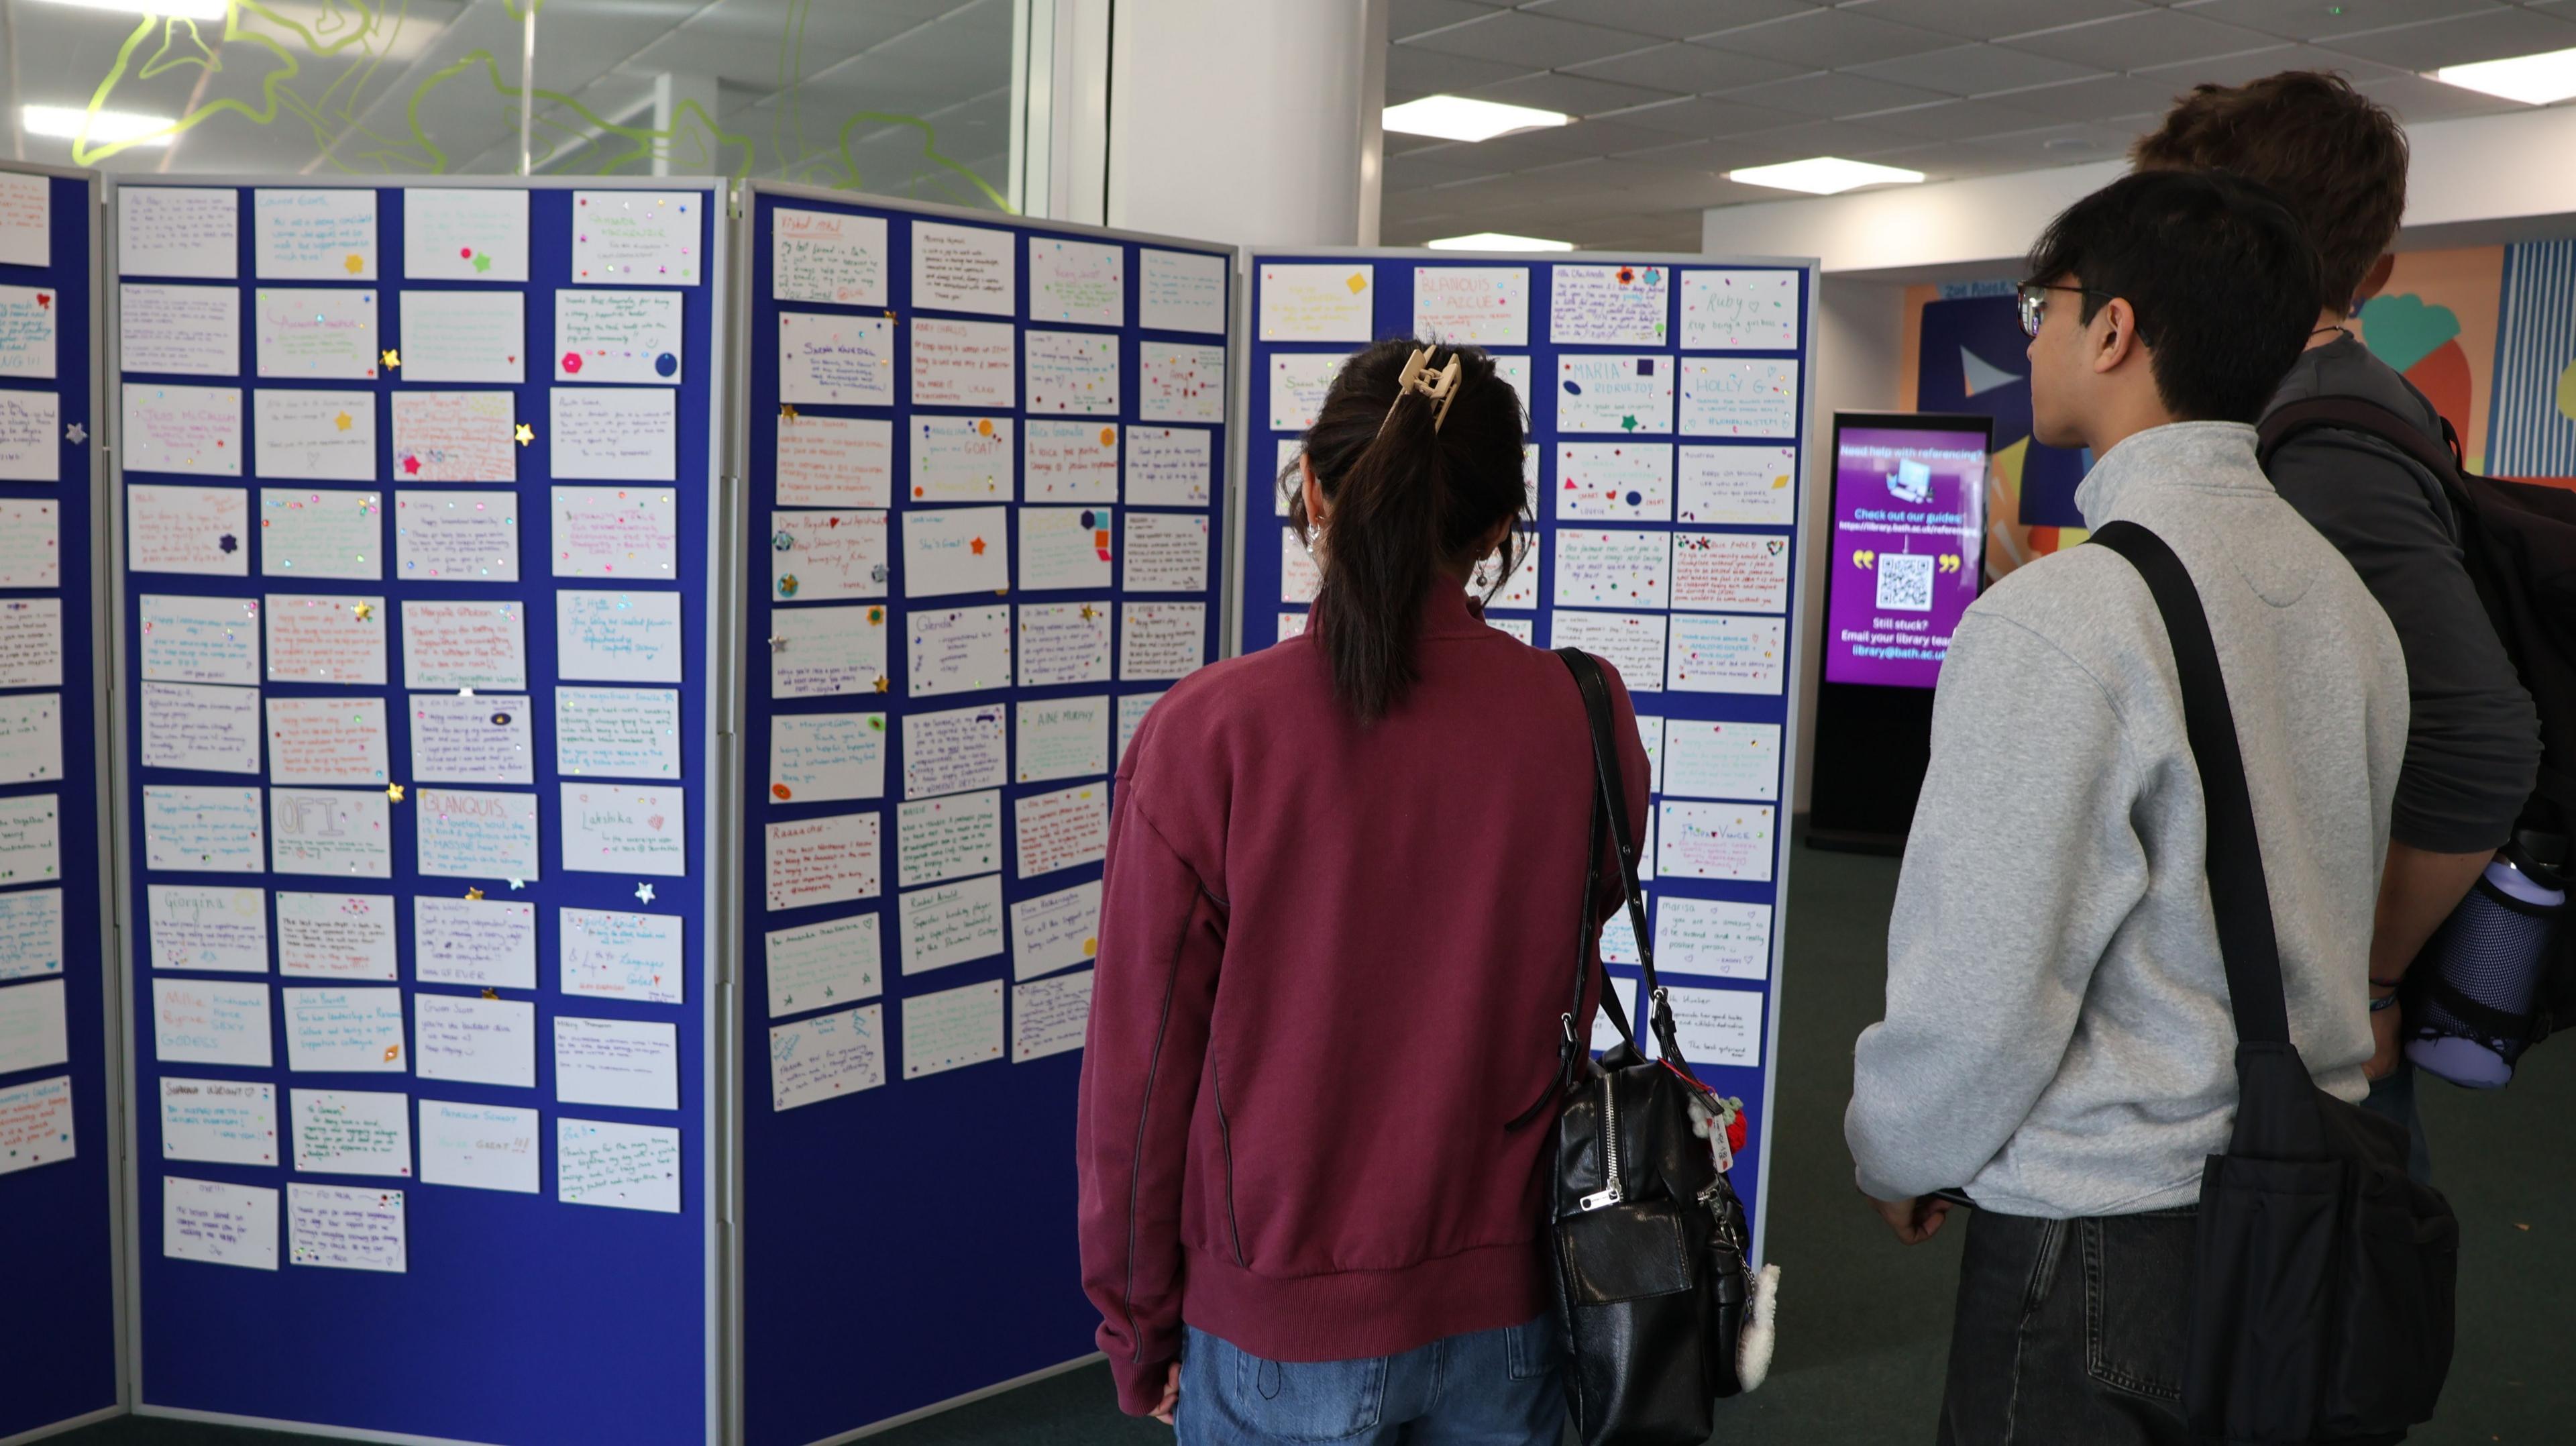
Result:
[[1909, 518]]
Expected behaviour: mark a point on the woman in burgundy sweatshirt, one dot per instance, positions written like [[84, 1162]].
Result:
[[1344, 899]]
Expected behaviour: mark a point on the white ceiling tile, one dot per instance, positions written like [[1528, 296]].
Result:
[[1420, 173], [1701, 118], [1687, 69], [2255, 64], [1576, 95], [1408, 18], [2310, 19], [1413, 72], [1960, 120], [1670, 19], [1832, 93], [1977, 70], [1990, 19], [2488, 35], [2154, 37], [2084, 100], [1850, 139], [1825, 39], [1516, 37]]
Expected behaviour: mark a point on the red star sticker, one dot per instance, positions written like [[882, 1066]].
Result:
[[411, 465], [978, 545]]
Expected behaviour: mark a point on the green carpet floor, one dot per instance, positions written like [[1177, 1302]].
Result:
[[1864, 1323]]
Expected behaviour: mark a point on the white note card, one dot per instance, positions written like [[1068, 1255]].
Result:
[[826, 1057], [1180, 291], [617, 637], [1714, 840], [352, 1132], [1713, 936], [835, 359], [638, 238], [815, 966], [454, 234], [963, 268], [316, 235], [178, 231], [463, 336], [1055, 931], [479, 1147], [476, 1041], [201, 1021], [344, 1030], [614, 954], [190, 330], [335, 936], [219, 1224], [477, 833], [952, 1028], [625, 1167], [340, 1227], [1049, 1016], [615, 434], [171, 428], [218, 1121], [826, 256], [624, 828], [1326, 301], [488, 943], [629, 1062], [32, 1028], [36, 1123]]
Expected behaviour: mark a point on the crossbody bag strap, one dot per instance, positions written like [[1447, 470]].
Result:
[[1612, 787], [2237, 894]]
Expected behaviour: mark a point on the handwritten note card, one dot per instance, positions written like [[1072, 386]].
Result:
[[329, 831], [317, 235], [177, 231], [459, 644], [1740, 310], [306, 532], [835, 462], [629, 1062], [1711, 936], [1517, 590], [1062, 547], [31, 643], [1739, 397], [32, 1030], [1062, 830], [1168, 466], [947, 838], [614, 434], [826, 757], [208, 928], [490, 943], [631, 238], [1298, 382], [1180, 383], [1072, 372], [477, 834], [961, 459], [1718, 1026], [617, 637], [963, 268], [1063, 738], [456, 536], [1077, 281], [476, 1041], [204, 830], [30, 827], [1065, 642], [1739, 485], [31, 933], [1633, 643], [464, 336], [27, 328], [344, 1031], [1721, 760], [313, 436], [1055, 931], [1485, 306], [340, 1228], [480, 1147], [1714, 841], [949, 752], [36, 1124], [843, 359], [219, 1224], [31, 430], [219, 1121], [455, 437], [1614, 481], [625, 1167], [181, 429], [963, 363], [625, 828], [200, 1021], [819, 965], [827, 257], [1723, 653], [957, 650], [1609, 305], [951, 924], [1132, 709], [190, 330], [617, 733], [31, 737], [26, 220], [622, 532], [1738, 570], [826, 1057], [832, 556], [1049, 1016], [1180, 291], [1167, 551], [952, 1028], [1329, 301], [327, 741], [1611, 568], [1161, 640], [30, 543], [613, 954], [618, 336], [352, 1132], [309, 333], [822, 860], [1614, 393], [827, 652], [1069, 461], [471, 739], [453, 234]]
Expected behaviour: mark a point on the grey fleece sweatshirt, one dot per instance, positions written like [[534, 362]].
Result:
[[2057, 1037]]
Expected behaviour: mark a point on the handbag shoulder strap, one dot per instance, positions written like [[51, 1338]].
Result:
[[1613, 804], [2237, 893]]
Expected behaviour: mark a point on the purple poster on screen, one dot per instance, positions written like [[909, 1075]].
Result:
[[1909, 511]]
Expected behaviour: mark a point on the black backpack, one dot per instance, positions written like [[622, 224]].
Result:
[[2518, 541]]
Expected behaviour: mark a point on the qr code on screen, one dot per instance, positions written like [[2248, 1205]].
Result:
[[1905, 582]]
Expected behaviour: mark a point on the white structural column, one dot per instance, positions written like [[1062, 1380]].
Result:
[[1246, 120]]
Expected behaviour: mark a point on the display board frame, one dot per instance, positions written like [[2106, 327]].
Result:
[[892, 1186], [1391, 312], [523, 1394], [71, 1347]]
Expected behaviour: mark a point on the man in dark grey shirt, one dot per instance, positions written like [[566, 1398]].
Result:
[[2473, 740]]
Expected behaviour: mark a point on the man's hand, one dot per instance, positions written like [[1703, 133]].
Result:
[[1171, 1394], [2385, 1037], [1914, 1219]]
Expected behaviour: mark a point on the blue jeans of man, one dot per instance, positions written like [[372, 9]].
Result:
[[1486, 1388]]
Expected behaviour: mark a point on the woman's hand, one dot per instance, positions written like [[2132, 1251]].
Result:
[[1171, 1394]]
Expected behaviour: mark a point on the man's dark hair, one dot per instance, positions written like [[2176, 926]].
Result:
[[2334, 156], [2221, 276]]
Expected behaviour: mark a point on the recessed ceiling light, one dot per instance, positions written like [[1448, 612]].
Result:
[[1456, 118], [1497, 241], [175, 9], [1824, 175], [102, 127], [2531, 79]]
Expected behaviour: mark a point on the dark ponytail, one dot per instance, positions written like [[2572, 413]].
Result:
[[1409, 497]]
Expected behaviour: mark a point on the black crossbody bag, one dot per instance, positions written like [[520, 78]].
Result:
[[1652, 1288], [2322, 1284]]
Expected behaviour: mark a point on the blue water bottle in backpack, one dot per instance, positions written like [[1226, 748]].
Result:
[[2482, 971]]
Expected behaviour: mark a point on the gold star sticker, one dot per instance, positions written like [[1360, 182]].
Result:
[[883, 683], [354, 263], [341, 421], [893, 319], [393, 792], [393, 358], [362, 611], [473, 893], [1089, 613], [527, 434], [787, 411], [491, 994]]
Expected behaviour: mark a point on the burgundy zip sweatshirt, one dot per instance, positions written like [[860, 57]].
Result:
[[1333, 963]]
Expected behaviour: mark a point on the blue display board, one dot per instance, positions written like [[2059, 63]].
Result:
[[1667, 406], [418, 801], [58, 1141], [985, 476]]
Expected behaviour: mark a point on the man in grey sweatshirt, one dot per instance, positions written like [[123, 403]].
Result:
[[2058, 1041]]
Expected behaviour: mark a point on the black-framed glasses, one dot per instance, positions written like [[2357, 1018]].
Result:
[[2033, 297]]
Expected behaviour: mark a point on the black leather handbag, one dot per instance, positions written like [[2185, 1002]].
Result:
[[1651, 1278], [2323, 1278]]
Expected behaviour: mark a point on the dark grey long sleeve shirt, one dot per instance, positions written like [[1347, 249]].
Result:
[[2473, 742]]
